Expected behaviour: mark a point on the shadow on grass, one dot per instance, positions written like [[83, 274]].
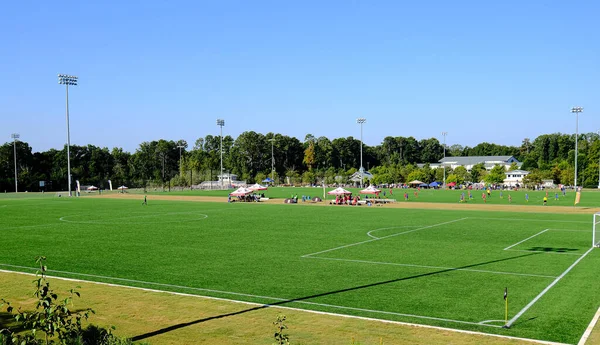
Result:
[[551, 249], [264, 306]]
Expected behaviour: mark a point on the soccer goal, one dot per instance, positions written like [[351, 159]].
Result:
[[596, 232]]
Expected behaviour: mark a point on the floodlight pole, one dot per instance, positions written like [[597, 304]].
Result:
[[576, 110], [272, 162], [15, 136], [180, 147], [221, 123], [443, 165], [68, 80], [361, 121]]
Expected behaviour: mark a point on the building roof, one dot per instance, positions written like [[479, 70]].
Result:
[[472, 160], [523, 172]]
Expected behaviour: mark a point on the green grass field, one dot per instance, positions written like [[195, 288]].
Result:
[[590, 197], [442, 268]]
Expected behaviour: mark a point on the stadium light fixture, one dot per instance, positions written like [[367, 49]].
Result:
[[576, 111], [67, 80], [361, 121], [221, 123], [14, 137]]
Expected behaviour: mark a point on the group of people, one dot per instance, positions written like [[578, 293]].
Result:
[[346, 199]]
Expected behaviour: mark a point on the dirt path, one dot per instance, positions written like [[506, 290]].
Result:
[[410, 205]]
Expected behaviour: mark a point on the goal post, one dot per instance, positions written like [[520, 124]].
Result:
[[596, 230]]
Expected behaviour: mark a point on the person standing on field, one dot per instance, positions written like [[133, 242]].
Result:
[[145, 201]]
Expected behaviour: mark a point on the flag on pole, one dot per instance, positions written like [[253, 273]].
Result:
[[505, 293], [577, 197]]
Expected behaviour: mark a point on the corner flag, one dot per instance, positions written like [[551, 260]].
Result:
[[505, 294]]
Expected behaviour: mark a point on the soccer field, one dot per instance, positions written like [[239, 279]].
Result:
[[441, 268]]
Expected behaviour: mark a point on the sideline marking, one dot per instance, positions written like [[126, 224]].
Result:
[[528, 238], [277, 299], [436, 267], [516, 317], [589, 329], [382, 238], [302, 310]]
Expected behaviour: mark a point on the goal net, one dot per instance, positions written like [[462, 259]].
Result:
[[596, 230]]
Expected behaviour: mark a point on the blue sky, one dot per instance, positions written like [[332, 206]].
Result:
[[496, 71]]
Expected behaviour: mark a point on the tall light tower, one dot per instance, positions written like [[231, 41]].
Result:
[[599, 169], [14, 137], [180, 147], [221, 123], [68, 80], [576, 110], [361, 121], [443, 165], [272, 162]]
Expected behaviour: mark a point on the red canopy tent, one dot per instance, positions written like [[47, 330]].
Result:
[[451, 184]]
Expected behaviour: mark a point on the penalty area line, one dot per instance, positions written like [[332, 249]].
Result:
[[516, 317], [528, 238], [383, 238]]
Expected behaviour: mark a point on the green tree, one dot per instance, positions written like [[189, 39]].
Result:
[[496, 175]]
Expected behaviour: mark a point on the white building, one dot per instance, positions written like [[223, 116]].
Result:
[[515, 177], [468, 162]]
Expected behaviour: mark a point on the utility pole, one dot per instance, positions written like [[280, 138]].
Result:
[[361, 121], [15, 136], [576, 110], [272, 162], [221, 123], [443, 163]]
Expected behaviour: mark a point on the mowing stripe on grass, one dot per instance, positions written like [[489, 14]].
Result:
[[279, 300], [28, 226], [516, 317], [528, 238], [434, 267], [532, 220], [302, 310], [382, 238]]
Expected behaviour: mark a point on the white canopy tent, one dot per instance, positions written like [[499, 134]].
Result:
[[256, 186], [242, 191], [339, 191], [370, 190]]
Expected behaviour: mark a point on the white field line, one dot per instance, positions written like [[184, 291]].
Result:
[[29, 226], [391, 227], [100, 221], [528, 238], [382, 238], [276, 299], [573, 230], [302, 310], [516, 317], [435, 267], [531, 220], [589, 329]]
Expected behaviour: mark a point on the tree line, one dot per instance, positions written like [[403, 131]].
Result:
[[251, 155]]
